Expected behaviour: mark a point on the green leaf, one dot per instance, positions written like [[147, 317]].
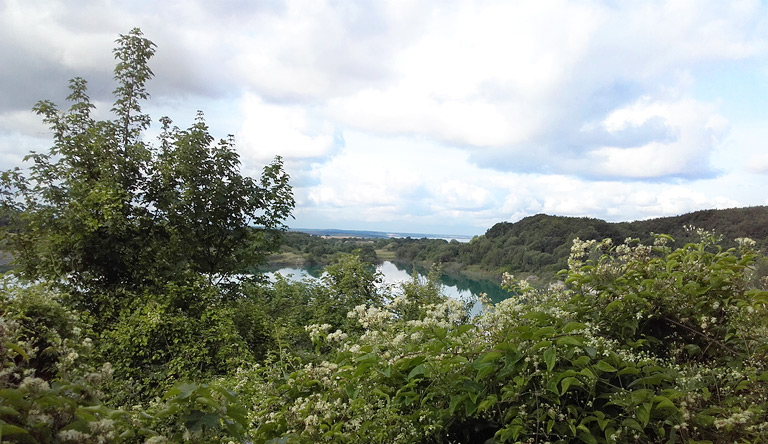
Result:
[[664, 403], [644, 413], [573, 326], [483, 370], [206, 401], [386, 371], [605, 367], [550, 358], [585, 434], [581, 361], [10, 430], [8, 411], [569, 340], [487, 403], [352, 391], [418, 370], [544, 332], [490, 356], [568, 382]]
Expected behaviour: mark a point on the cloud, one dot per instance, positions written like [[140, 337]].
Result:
[[675, 140], [430, 114], [295, 133]]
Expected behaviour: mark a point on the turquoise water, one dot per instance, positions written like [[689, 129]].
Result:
[[459, 287]]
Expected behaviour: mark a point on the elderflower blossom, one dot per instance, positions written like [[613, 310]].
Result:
[[742, 417], [338, 335]]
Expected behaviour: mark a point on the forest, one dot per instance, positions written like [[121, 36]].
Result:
[[536, 247], [132, 313]]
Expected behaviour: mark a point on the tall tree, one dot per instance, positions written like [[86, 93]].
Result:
[[103, 209]]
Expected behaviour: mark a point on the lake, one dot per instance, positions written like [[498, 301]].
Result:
[[455, 286]]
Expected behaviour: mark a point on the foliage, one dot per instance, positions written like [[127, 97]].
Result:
[[540, 244], [180, 333], [292, 306], [49, 389], [316, 250], [103, 211], [649, 344]]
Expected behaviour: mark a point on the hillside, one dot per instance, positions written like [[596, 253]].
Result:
[[540, 244]]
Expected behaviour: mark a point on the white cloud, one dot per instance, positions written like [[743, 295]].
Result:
[[697, 130], [292, 132]]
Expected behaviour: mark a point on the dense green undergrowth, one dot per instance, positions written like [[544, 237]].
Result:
[[639, 344]]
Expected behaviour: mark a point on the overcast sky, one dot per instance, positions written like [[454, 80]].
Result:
[[433, 117]]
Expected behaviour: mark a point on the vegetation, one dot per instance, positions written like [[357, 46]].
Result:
[[309, 250], [539, 245], [127, 321]]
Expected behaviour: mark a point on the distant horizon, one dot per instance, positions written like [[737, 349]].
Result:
[[469, 236], [384, 233]]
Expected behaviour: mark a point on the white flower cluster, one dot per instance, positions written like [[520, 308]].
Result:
[[579, 250], [745, 242], [370, 317], [315, 330], [446, 314], [738, 418]]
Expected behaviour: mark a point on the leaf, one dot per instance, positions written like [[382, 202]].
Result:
[[17, 348], [455, 401], [418, 370], [8, 411], [605, 367], [206, 401], [544, 332], [469, 407], [566, 383], [664, 403], [352, 391], [573, 326], [490, 356], [585, 434], [644, 413], [581, 361], [386, 372], [692, 349], [487, 403], [550, 358], [484, 370], [569, 340], [11, 430]]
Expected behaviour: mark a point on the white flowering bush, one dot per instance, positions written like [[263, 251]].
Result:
[[49, 390], [638, 344], [642, 344]]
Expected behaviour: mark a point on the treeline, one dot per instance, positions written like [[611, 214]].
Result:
[[537, 245], [540, 244], [304, 249]]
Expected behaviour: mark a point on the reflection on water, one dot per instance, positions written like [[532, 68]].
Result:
[[455, 286]]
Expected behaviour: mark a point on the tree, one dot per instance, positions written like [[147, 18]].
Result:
[[104, 210]]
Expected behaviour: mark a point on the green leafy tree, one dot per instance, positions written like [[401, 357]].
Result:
[[105, 212]]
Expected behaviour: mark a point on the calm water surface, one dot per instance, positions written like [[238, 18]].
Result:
[[454, 286]]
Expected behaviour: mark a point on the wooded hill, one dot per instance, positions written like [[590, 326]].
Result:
[[541, 244]]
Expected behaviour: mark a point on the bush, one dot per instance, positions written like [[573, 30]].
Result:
[[642, 344]]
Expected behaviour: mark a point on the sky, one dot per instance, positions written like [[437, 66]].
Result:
[[443, 116]]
